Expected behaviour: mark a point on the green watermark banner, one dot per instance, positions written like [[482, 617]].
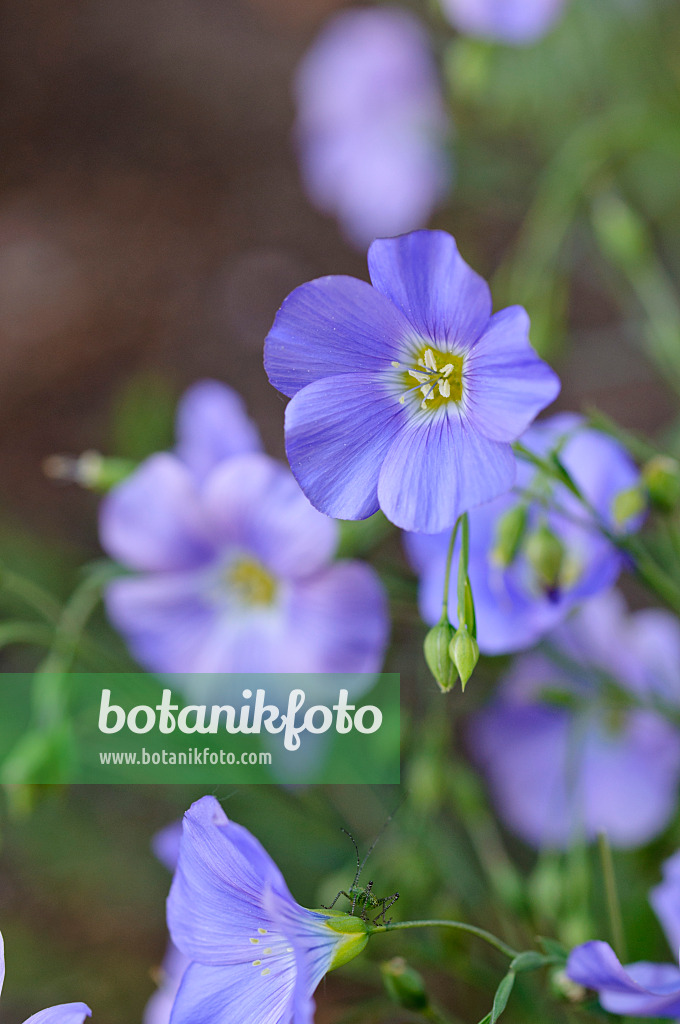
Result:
[[123, 728]]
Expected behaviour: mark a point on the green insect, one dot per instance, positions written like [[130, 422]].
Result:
[[361, 897]]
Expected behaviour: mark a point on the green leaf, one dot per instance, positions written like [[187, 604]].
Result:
[[529, 961], [502, 995]]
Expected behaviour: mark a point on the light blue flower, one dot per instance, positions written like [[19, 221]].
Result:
[[641, 989], [509, 21], [371, 126], [406, 395], [234, 569], [515, 603], [256, 955], [65, 1013]]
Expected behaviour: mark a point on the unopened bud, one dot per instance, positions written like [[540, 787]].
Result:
[[436, 648], [545, 554], [91, 470], [628, 505], [509, 534], [404, 985], [464, 652], [662, 479]]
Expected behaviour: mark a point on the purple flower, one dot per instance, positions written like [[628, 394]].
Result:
[[510, 21], [573, 744], [515, 602], [407, 394], [640, 989], [371, 124], [234, 564], [157, 1011], [257, 956], [65, 1013]]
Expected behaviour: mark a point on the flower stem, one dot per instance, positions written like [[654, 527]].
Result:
[[613, 903], [492, 940], [447, 577]]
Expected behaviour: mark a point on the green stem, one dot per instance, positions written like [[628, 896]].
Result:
[[447, 577], [613, 903], [31, 594], [472, 929]]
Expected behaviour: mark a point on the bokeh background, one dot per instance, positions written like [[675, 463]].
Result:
[[152, 219]]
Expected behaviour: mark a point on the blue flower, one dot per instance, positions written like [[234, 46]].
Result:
[[158, 1009], [257, 956], [65, 1013], [371, 126], [515, 603], [511, 21], [408, 394], [641, 989], [234, 565], [566, 755]]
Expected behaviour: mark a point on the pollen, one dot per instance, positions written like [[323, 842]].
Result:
[[262, 931], [267, 951], [257, 963], [254, 941], [265, 971], [252, 585], [438, 376]]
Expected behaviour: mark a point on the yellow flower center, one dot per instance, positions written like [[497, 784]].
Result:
[[439, 377], [250, 582]]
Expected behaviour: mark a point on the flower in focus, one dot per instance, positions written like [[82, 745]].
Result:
[[574, 744], [371, 124], [65, 1013], [406, 395], [641, 989], [537, 552], [256, 955], [234, 565], [510, 21]]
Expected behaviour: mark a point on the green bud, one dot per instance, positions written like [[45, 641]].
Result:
[[628, 504], [91, 470], [436, 648], [661, 476], [545, 553], [509, 534], [464, 652], [404, 985]]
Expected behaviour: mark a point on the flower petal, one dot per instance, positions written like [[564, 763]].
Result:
[[665, 901], [505, 383], [641, 989], [65, 1013], [239, 992], [212, 425], [215, 906], [337, 622], [427, 279], [255, 505], [439, 468], [331, 326], [338, 432], [153, 519]]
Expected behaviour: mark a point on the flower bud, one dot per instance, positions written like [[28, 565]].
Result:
[[545, 553], [464, 652], [510, 530], [404, 985], [628, 505], [91, 470], [436, 648], [662, 478]]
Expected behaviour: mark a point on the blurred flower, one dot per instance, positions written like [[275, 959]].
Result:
[[641, 989], [158, 1009], [257, 956], [235, 565], [576, 742], [509, 21], [65, 1013], [407, 394], [371, 124], [536, 553]]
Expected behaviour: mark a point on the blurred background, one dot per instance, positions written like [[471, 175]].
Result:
[[152, 218]]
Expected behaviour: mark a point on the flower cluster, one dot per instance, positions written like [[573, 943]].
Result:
[[233, 565]]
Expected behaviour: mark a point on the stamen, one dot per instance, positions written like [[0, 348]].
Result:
[[436, 383], [429, 359]]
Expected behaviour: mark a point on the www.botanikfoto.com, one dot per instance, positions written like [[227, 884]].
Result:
[[193, 756]]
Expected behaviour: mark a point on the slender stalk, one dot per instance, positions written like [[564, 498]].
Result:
[[472, 929], [613, 903], [31, 594], [447, 577]]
